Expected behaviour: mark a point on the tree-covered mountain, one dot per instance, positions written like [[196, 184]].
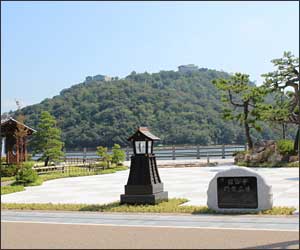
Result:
[[180, 108]]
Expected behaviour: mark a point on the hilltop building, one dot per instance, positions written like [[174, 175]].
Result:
[[98, 78], [187, 68]]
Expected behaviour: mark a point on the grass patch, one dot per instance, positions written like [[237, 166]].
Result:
[[293, 164], [12, 178], [279, 211], [11, 189], [170, 206]]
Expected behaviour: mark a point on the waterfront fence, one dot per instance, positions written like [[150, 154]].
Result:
[[89, 156], [86, 160]]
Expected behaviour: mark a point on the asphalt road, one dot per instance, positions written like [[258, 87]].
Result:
[[290, 223], [106, 230], [67, 236]]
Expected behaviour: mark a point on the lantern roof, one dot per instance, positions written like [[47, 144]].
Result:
[[143, 133]]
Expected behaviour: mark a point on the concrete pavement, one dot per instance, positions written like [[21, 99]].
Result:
[[190, 183]]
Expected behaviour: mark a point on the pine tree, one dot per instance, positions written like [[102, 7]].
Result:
[[105, 156], [285, 77], [118, 154], [47, 139], [243, 102]]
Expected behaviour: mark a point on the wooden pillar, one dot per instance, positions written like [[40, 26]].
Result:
[[25, 148], [21, 150], [17, 151]]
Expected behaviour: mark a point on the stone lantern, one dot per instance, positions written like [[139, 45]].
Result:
[[144, 185]]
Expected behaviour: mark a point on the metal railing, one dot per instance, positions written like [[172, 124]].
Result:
[[162, 153], [194, 152], [86, 159]]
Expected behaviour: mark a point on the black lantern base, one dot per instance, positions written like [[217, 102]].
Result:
[[144, 185], [144, 189], [144, 198]]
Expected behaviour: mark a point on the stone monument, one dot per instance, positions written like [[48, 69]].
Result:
[[239, 189]]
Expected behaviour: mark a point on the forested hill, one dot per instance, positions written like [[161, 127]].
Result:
[[179, 108]]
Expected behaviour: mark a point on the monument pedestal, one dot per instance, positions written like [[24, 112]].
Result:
[[144, 198], [144, 185]]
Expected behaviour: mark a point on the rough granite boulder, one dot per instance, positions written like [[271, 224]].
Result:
[[263, 152]]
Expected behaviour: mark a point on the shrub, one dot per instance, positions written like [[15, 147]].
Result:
[[235, 153], [9, 170], [26, 174], [118, 155], [294, 164], [28, 164], [285, 147], [3, 159], [29, 157], [102, 152]]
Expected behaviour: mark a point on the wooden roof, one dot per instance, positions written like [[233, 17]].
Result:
[[143, 133], [12, 123]]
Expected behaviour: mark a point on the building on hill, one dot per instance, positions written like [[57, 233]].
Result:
[[187, 68], [98, 78], [89, 79], [14, 136]]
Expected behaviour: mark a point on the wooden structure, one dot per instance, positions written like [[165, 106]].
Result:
[[144, 185], [14, 134]]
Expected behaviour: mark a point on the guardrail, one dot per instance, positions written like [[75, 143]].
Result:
[[172, 153], [85, 160]]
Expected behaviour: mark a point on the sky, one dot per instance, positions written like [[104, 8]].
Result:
[[50, 46]]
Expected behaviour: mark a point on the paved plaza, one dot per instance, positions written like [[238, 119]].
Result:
[[190, 183]]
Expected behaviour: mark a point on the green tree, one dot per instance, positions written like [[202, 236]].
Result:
[[118, 154], [26, 174], [104, 155], [276, 109], [47, 139], [285, 77], [183, 108], [243, 101]]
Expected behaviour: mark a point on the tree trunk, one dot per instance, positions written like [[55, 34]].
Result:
[[46, 161], [246, 125], [297, 141], [283, 130]]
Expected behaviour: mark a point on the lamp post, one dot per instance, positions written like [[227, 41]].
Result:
[[144, 185]]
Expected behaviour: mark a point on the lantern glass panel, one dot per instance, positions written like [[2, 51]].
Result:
[[140, 147], [149, 147]]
